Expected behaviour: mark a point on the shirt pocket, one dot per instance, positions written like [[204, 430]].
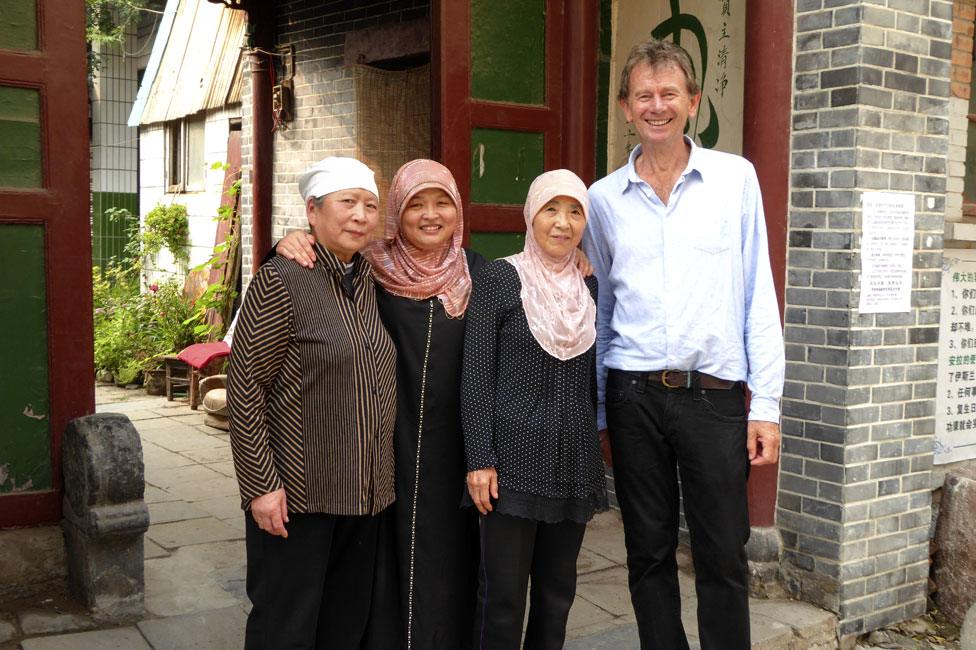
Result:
[[712, 239]]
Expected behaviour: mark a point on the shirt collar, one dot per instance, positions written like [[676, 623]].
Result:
[[328, 261], [696, 163]]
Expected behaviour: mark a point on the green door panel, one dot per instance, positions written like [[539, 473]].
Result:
[[497, 244], [20, 137], [508, 58], [18, 24], [504, 164], [25, 437]]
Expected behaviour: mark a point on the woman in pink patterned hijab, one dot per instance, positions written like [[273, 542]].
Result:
[[528, 411], [420, 255]]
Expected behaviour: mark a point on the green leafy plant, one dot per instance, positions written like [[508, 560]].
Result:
[[133, 330], [169, 226]]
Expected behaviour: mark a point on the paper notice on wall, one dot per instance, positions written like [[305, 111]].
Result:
[[887, 241], [955, 403]]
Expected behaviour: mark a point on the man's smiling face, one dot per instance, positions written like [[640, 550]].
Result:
[[658, 104]]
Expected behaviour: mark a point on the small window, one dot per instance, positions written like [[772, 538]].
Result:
[[185, 144]]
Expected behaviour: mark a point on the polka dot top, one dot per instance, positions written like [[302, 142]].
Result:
[[526, 413]]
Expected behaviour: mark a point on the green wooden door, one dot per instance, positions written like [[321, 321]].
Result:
[[515, 96], [46, 375]]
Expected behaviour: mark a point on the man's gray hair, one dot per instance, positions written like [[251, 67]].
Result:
[[656, 53]]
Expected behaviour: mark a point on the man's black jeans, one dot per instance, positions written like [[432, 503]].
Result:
[[659, 433]]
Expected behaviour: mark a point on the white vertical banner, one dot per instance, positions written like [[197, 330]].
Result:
[[887, 243]]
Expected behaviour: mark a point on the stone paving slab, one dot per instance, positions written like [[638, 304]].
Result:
[[169, 478], [606, 589], [209, 455], [193, 531], [809, 623], [178, 437], [225, 507], [42, 621], [616, 638], [156, 495], [586, 618], [197, 490], [170, 511], [219, 629], [604, 537], [588, 562], [151, 549], [126, 638], [160, 458]]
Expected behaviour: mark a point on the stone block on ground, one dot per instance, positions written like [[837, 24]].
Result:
[[955, 557], [126, 638], [104, 515]]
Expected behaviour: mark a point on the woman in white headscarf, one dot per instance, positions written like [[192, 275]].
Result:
[[528, 405]]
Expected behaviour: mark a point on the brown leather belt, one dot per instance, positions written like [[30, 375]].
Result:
[[682, 379]]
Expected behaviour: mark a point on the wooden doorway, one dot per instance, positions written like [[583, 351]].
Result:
[[514, 85], [46, 368]]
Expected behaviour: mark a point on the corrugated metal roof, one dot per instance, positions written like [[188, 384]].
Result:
[[200, 65]]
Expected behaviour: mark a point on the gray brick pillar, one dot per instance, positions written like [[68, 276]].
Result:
[[871, 87]]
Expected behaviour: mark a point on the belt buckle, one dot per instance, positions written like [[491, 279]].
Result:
[[664, 379]]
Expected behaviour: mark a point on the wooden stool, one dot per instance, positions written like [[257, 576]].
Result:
[[177, 376]]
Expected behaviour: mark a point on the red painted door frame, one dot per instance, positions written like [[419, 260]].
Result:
[[567, 119], [766, 143], [57, 70]]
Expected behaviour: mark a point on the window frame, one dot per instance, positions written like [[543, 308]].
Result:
[[177, 161]]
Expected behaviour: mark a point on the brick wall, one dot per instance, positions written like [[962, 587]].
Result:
[[872, 85], [325, 103]]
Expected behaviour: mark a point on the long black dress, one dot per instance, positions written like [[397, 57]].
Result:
[[436, 539]]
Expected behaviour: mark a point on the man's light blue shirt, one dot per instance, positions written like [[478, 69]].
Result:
[[687, 285]]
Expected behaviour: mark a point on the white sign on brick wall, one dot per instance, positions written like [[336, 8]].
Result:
[[955, 412], [887, 240]]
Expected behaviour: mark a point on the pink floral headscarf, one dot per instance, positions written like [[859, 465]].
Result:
[[405, 270], [558, 306]]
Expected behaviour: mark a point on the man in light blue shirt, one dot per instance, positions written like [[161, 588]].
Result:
[[687, 317]]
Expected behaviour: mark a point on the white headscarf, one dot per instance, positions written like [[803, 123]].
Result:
[[558, 306], [333, 174]]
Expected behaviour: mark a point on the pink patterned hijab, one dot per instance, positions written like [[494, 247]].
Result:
[[558, 306], [405, 270]]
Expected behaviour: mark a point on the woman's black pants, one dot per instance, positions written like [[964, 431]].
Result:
[[313, 589], [512, 549]]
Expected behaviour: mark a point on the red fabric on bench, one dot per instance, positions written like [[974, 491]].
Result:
[[199, 355]]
